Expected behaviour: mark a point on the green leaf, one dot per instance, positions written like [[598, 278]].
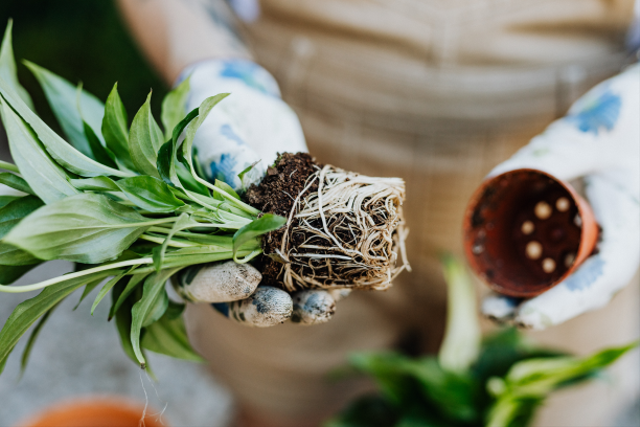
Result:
[[146, 308], [183, 222], [245, 171], [115, 130], [258, 227], [13, 212], [87, 228], [27, 312], [99, 183], [8, 71], [540, 376], [32, 339], [14, 181], [530, 381], [150, 194], [106, 288], [12, 256], [132, 284], [87, 290], [5, 200], [227, 188], [45, 177], [453, 393], [64, 102], [461, 344], [169, 337], [145, 139], [366, 411], [503, 349], [61, 151], [123, 320], [167, 159], [10, 273], [189, 182], [160, 306], [99, 151], [174, 106], [390, 370]]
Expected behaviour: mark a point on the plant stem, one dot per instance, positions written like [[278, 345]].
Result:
[[55, 280], [173, 243], [9, 166]]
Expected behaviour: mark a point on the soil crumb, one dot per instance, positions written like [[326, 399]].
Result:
[[276, 194]]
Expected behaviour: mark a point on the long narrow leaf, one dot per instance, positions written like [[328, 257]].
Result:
[[262, 225], [152, 289], [15, 182], [87, 228], [183, 222], [145, 139], [98, 151], [169, 337], [8, 71], [132, 284], [65, 99], [27, 312], [32, 338], [45, 177], [461, 344], [174, 106], [63, 153], [115, 130], [150, 194], [99, 183]]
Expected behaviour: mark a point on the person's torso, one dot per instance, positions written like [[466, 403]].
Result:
[[440, 59]]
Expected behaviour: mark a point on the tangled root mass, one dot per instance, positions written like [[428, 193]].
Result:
[[344, 230]]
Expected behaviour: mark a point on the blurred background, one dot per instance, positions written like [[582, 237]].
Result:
[[78, 355]]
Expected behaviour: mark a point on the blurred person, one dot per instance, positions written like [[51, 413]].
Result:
[[439, 93]]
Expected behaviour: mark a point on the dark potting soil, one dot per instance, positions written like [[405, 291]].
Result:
[[276, 194]]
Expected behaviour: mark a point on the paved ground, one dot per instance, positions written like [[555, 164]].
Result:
[[80, 355]]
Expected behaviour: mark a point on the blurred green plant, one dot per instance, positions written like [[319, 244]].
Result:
[[81, 40], [498, 381]]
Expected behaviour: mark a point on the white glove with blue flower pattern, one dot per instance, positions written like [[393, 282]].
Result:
[[249, 127], [598, 140]]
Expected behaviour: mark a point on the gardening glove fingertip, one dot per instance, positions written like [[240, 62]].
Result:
[[499, 308], [268, 306], [312, 307], [218, 282]]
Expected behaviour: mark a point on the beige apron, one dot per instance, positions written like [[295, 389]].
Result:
[[436, 92]]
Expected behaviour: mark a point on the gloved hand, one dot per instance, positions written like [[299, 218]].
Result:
[[599, 140], [247, 128]]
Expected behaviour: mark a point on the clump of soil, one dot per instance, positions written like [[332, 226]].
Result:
[[276, 194]]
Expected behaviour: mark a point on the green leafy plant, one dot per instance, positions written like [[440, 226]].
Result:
[[122, 201], [498, 381]]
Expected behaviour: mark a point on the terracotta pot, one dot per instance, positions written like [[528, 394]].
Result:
[[526, 231], [95, 412]]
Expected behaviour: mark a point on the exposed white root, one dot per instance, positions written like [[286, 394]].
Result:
[[347, 234]]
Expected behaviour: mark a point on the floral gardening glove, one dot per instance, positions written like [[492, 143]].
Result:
[[599, 140], [248, 128]]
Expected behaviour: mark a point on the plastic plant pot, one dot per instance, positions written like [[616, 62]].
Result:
[[526, 231], [94, 412]]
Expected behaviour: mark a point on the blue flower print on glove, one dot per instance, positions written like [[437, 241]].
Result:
[[251, 74], [224, 169], [597, 112]]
